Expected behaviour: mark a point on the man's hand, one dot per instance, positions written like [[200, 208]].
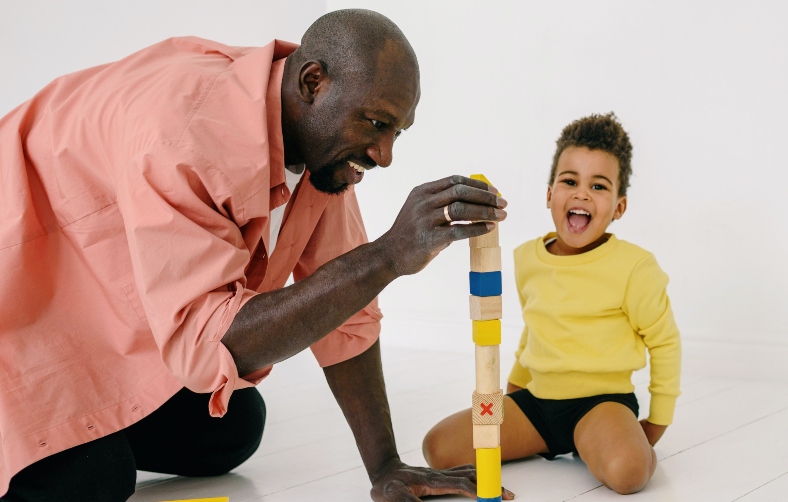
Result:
[[653, 431], [421, 230], [401, 482]]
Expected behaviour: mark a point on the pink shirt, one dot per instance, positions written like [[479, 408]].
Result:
[[134, 222]]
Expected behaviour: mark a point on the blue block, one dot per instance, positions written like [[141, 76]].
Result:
[[486, 283], [484, 499]]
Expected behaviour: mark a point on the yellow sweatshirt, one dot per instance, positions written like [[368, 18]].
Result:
[[588, 321]]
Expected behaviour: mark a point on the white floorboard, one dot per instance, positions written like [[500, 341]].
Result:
[[728, 442]]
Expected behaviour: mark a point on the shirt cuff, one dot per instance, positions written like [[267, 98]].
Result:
[[519, 376], [354, 337], [661, 409]]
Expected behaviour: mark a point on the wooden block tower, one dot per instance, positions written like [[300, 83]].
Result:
[[485, 306]]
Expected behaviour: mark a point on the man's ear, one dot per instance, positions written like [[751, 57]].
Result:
[[312, 80], [549, 195], [621, 207]]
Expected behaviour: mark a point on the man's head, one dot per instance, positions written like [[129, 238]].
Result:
[[588, 182], [347, 93]]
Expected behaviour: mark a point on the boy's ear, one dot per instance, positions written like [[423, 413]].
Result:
[[549, 195], [621, 207]]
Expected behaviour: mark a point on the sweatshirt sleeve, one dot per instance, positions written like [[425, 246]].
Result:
[[189, 259], [339, 230], [520, 376], [648, 307]]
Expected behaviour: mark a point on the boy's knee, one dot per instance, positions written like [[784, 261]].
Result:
[[437, 449], [629, 473]]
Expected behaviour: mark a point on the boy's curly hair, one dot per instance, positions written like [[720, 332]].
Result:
[[598, 132]]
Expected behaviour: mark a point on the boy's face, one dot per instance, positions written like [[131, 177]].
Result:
[[584, 199]]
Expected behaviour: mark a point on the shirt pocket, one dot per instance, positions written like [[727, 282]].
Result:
[[133, 297]]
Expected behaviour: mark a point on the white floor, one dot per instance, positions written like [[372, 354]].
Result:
[[728, 443]]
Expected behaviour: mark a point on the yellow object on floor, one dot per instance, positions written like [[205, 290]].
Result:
[[214, 499]]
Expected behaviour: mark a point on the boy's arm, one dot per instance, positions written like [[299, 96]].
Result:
[[648, 307], [519, 376]]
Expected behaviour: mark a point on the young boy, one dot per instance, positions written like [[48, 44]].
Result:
[[592, 305]]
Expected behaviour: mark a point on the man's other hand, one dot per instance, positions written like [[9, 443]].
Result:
[[401, 482]]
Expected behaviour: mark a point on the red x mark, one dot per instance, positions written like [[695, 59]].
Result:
[[486, 409]]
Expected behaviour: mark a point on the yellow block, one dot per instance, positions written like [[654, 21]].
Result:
[[487, 332], [214, 499], [488, 472], [481, 177]]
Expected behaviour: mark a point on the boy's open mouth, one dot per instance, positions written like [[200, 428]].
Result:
[[578, 220]]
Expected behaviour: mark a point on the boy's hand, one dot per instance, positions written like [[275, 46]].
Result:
[[653, 431]]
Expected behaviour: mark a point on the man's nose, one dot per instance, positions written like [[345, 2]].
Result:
[[382, 152]]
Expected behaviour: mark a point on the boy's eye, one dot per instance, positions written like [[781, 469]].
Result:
[[599, 187], [377, 124], [569, 182]]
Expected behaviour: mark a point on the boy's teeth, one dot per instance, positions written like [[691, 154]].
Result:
[[579, 211], [356, 167]]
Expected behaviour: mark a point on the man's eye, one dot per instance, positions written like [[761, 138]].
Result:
[[377, 124]]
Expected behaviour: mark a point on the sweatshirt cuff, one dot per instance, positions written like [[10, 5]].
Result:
[[519, 376], [661, 409]]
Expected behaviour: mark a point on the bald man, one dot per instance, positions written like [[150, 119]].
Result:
[[153, 210]]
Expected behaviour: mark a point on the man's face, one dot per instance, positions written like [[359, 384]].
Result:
[[583, 199], [354, 122]]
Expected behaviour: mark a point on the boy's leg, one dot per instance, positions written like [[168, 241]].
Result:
[[450, 442], [99, 471], [182, 438], [612, 443]]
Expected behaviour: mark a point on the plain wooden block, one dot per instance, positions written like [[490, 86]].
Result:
[[485, 308], [488, 240], [486, 436], [488, 369], [486, 259]]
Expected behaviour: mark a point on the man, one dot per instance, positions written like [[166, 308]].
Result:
[[153, 209]]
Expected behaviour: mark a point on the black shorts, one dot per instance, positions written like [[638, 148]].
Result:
[[555, 419]]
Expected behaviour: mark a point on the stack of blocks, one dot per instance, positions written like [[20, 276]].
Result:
[[485, 303]]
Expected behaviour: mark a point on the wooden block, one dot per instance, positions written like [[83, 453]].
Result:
[[483, 178], [486, 259], [488, 473], [487, 332], [487, 409], [488, 369], [484, 308], [486, 436], [485, 283], [488, 240]]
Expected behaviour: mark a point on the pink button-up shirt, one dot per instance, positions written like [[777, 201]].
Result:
[[134, 222]]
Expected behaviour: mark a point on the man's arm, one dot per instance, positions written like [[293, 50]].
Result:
[[274, 326], [360, 391]]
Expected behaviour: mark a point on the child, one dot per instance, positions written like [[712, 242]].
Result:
[[592, 305]]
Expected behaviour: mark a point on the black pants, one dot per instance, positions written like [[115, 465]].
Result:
[[178, 438]]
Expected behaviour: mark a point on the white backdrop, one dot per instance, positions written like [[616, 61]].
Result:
[[699, 85], [701, 88]]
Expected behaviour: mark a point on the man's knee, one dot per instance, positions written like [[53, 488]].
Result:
[[102, 470]]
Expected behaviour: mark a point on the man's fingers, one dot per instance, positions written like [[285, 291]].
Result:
[[446, 183], [448, 485], [451, 233], [467, 194], [396, 491], [462, 211]]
